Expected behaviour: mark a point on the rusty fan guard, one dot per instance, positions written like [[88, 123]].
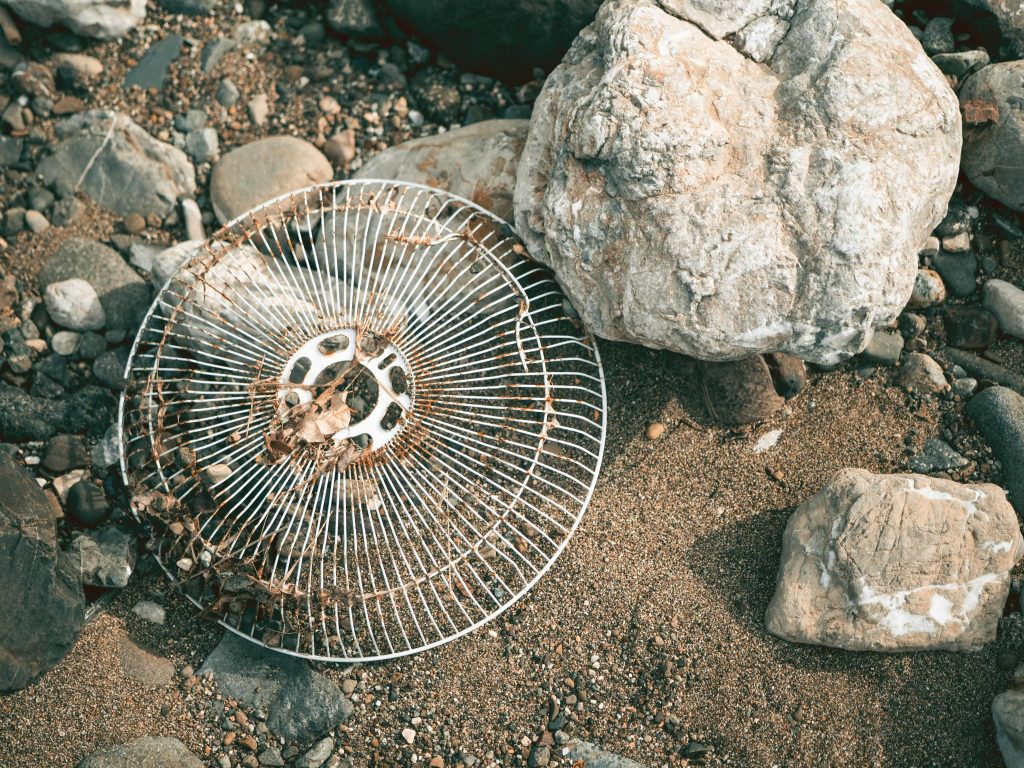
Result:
[[361, 421]]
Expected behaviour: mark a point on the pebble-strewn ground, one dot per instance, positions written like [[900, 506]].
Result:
[[647, 635]]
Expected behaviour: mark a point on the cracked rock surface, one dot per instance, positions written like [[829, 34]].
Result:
[[896, 563], [691, 198]]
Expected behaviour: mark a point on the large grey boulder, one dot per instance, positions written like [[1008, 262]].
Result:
[[116, 163], [44, 607], [145, 752], [477, 162], [301, 704], [691, 198], [896, 563], [506, 39], [103, 19], [989, 146]]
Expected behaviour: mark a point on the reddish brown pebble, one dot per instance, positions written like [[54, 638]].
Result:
[[655, 430], [134, 223]]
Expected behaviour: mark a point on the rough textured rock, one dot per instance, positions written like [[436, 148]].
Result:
[[1008, 714], [146, 752], [896, 563], [592, 756], [263, 170], [508, 40], [922, 374], [999, 414], [1009, 15], [692, 199], [116, 163], [103, 19], [45, 607], [477, 162], [989, 146], [301, 704], [105, 558], [357, 18], [123, 294]]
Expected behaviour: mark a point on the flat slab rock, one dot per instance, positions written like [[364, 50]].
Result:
[[592, 756], [301, 704], [896, 563], [145, 752], [723, 179]]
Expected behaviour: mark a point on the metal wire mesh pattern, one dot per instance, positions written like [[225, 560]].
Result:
[[361, 421]]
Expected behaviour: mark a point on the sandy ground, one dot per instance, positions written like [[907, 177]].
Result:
[[675, 561]]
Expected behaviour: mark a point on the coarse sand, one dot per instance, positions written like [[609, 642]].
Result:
[[653, 617]]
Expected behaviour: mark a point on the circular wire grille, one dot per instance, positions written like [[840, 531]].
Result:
[[361, 421]]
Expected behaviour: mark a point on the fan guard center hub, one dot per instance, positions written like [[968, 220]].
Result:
[[325, 357]]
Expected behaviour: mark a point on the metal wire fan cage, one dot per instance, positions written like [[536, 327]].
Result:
[[361, 421]]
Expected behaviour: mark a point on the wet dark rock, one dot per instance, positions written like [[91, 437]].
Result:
[[151, 71], [999, 414], [508, 40], [936, 456], [86, 504], [45, 608], [24, 417], [970, 327], [109, 368], [959, 272]]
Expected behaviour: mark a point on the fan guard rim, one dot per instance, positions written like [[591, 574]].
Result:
[[509, 602]]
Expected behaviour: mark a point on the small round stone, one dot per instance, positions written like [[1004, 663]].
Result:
[[134, 223], [655, 430]]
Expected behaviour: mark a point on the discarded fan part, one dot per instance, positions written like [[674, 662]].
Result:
[[361, 421]]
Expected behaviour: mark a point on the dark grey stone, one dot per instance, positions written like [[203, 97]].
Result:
[[999, 414], [959, 272], [24, 418], [151, 71], [189, 7], [936, 456], [214, 51], [302, 705], [44, 608]]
